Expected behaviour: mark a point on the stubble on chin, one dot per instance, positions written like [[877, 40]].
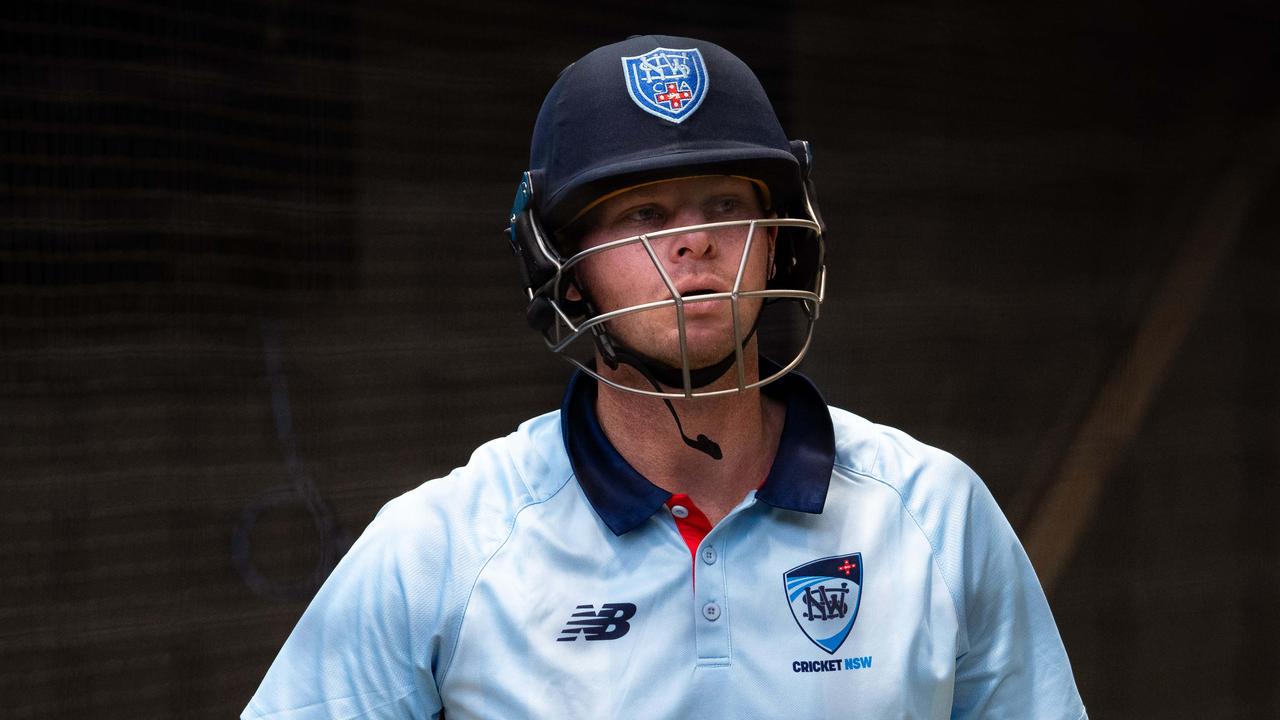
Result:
[[708, 340]]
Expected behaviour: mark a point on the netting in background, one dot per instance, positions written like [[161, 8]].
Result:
[[252, 285]]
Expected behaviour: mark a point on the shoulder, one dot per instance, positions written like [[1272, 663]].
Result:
[[475, 505], [1010, 659], [944, 498], [385, 623], [425, 549], [915, 470]]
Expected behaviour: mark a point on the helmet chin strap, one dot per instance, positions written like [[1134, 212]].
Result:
[[659, 373]]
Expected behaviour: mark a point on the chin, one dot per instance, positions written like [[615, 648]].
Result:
[[700, 354], [708, 341]]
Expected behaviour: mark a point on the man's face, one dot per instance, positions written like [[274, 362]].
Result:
[[699, 261]]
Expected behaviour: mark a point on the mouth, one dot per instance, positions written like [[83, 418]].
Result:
[[698, 301], [696, 292], [694, 302], [694, 287]]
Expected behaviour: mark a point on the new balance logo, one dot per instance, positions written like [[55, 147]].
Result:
[[609, 623]]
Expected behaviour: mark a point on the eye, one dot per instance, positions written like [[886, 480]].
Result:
[[727, 206], [645, 215]]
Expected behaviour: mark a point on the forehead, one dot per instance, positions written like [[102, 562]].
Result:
[[674, 190]]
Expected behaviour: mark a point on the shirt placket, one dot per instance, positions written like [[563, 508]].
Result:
[[710, 599]]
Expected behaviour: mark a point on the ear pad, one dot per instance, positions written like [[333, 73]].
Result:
[[796, 259], [536, 268]]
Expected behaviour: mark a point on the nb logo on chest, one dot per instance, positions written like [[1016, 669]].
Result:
[[607, 623]]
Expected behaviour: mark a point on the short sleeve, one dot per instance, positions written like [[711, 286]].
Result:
[[1012, 663], [365, 647]]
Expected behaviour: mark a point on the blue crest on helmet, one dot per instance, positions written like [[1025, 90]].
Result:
[[668, 83], [824, 596]]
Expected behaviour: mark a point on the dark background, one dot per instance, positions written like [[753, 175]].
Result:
[[253, 285]]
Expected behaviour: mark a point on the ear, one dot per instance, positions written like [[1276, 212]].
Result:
[[572, 293], [773, 246], [773, 233]]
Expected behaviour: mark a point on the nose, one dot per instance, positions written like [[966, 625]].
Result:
[[692, 245]]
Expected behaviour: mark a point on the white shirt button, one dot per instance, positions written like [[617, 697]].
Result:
[[680, 511], [709, 555], [711, 611]]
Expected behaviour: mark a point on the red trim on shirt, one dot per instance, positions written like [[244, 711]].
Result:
[[692, 528]]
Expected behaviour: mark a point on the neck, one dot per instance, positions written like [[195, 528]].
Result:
[[746, 425]]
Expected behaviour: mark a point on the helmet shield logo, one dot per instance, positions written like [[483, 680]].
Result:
[[670, 84], [824, 597]]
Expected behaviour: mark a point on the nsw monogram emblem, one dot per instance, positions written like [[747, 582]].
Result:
[[670, 84], [824, 596]]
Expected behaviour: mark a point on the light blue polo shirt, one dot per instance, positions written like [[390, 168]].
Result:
[[869, 576]]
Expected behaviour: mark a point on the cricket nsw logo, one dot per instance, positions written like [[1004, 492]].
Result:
[[824, 597], [668, 83]]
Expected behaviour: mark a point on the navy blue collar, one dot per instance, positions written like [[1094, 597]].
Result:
[[623, 498]]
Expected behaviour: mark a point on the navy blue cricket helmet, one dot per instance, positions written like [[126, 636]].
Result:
[[651, 108], [610, 122]]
